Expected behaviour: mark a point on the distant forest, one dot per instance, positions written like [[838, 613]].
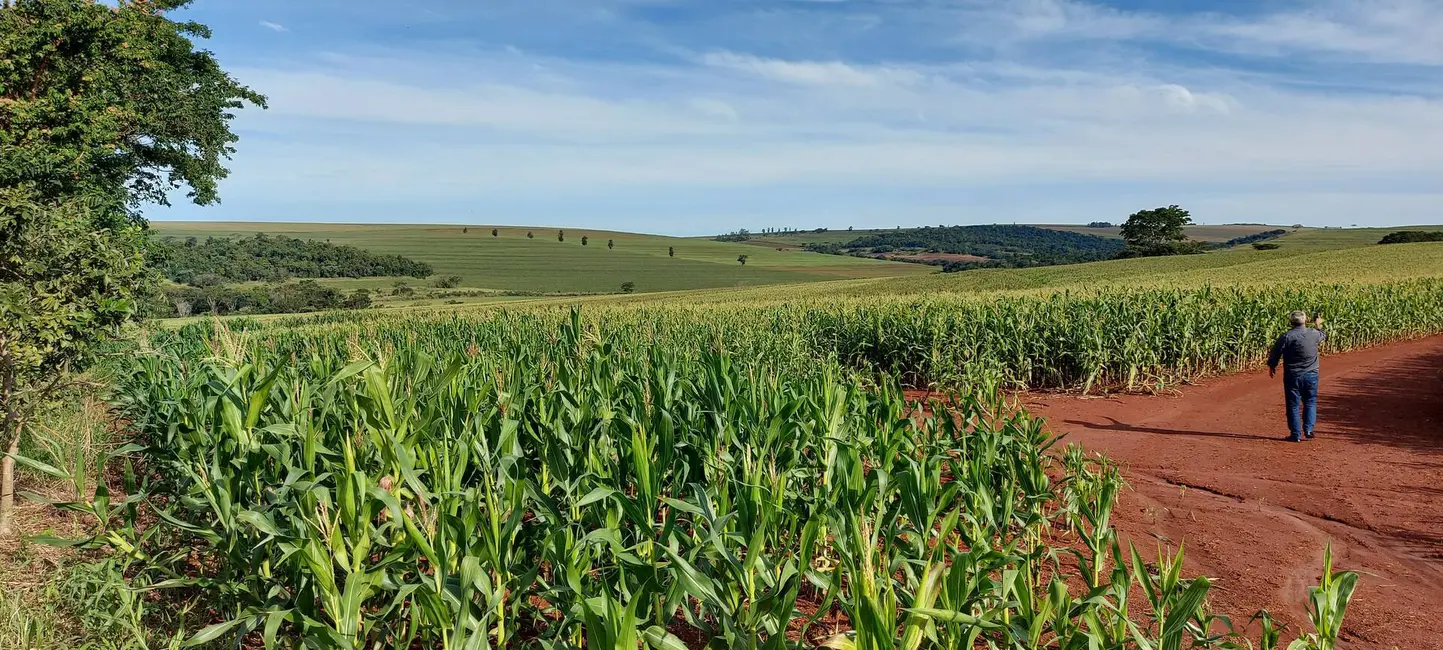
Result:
[[1003, 246], [272, 258], [1411, 236], [1250, 239]]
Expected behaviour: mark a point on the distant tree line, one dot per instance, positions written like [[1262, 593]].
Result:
[[738, 236], [1004, 245], [1411, 236], [272, 258], [1249, 239], [279, 298]]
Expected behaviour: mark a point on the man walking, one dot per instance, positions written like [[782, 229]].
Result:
[[1298, 350]]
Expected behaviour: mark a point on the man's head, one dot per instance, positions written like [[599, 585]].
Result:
[[1298, 318]]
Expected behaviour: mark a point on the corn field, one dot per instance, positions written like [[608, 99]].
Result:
[[679, 476], [1116, 339]]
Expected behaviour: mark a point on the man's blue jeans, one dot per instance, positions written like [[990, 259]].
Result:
[[1301, 390]]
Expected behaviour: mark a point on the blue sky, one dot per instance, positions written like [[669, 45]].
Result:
[[699, 116]]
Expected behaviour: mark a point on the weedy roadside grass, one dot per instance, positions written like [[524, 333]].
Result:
[[36, 579]]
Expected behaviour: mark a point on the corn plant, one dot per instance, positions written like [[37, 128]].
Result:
[[724, 476]]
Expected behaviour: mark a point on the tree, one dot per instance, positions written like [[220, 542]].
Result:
[[70, 278], [465, 230], [742, 259], [448, 282], [104, 107], [1411, 236], [610, 244], [495, 232], [561, 235], [671, 251], [112, 101], [628, 287], [1157, 232], [584, 239], [359, 299]]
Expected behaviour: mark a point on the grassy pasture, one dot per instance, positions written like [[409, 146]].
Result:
[[511, 261]]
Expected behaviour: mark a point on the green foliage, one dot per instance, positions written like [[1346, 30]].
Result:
[[70, 276], [743, 259], [1254, 239], [1003, 245], [359, 299], [1267, 246], [1327, 605], [605, 482], [271, 258], [112, 101], [738, 236], [1411, 236], [571, 488], [1158, 232], [584, 240], [280, 298], [628, 287], [448, 282]]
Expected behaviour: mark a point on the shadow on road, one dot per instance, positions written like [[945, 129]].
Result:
[[1115, 425], [1401, 405]]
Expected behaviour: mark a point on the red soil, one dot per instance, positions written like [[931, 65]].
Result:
[[1210, 468]]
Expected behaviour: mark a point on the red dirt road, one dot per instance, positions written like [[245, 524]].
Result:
[[1211, 468]]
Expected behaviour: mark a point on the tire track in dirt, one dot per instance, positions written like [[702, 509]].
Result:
[[1210, 468]]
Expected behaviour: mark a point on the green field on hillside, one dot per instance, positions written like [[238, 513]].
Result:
[[513, 262], [1305, 258]]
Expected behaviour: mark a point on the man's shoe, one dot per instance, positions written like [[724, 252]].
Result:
[[1308, 435], [1292, 439]]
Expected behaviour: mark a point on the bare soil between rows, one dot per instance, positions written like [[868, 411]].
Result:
[[1210, 468]]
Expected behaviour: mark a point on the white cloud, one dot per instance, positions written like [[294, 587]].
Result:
[[1386, 31], [1039, 19], [505, 108], [817, 73], [1377, 31], [275, 27], [1008, 125], [1045, 109]]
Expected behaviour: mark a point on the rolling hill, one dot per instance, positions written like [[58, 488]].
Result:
[[510, 261]]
